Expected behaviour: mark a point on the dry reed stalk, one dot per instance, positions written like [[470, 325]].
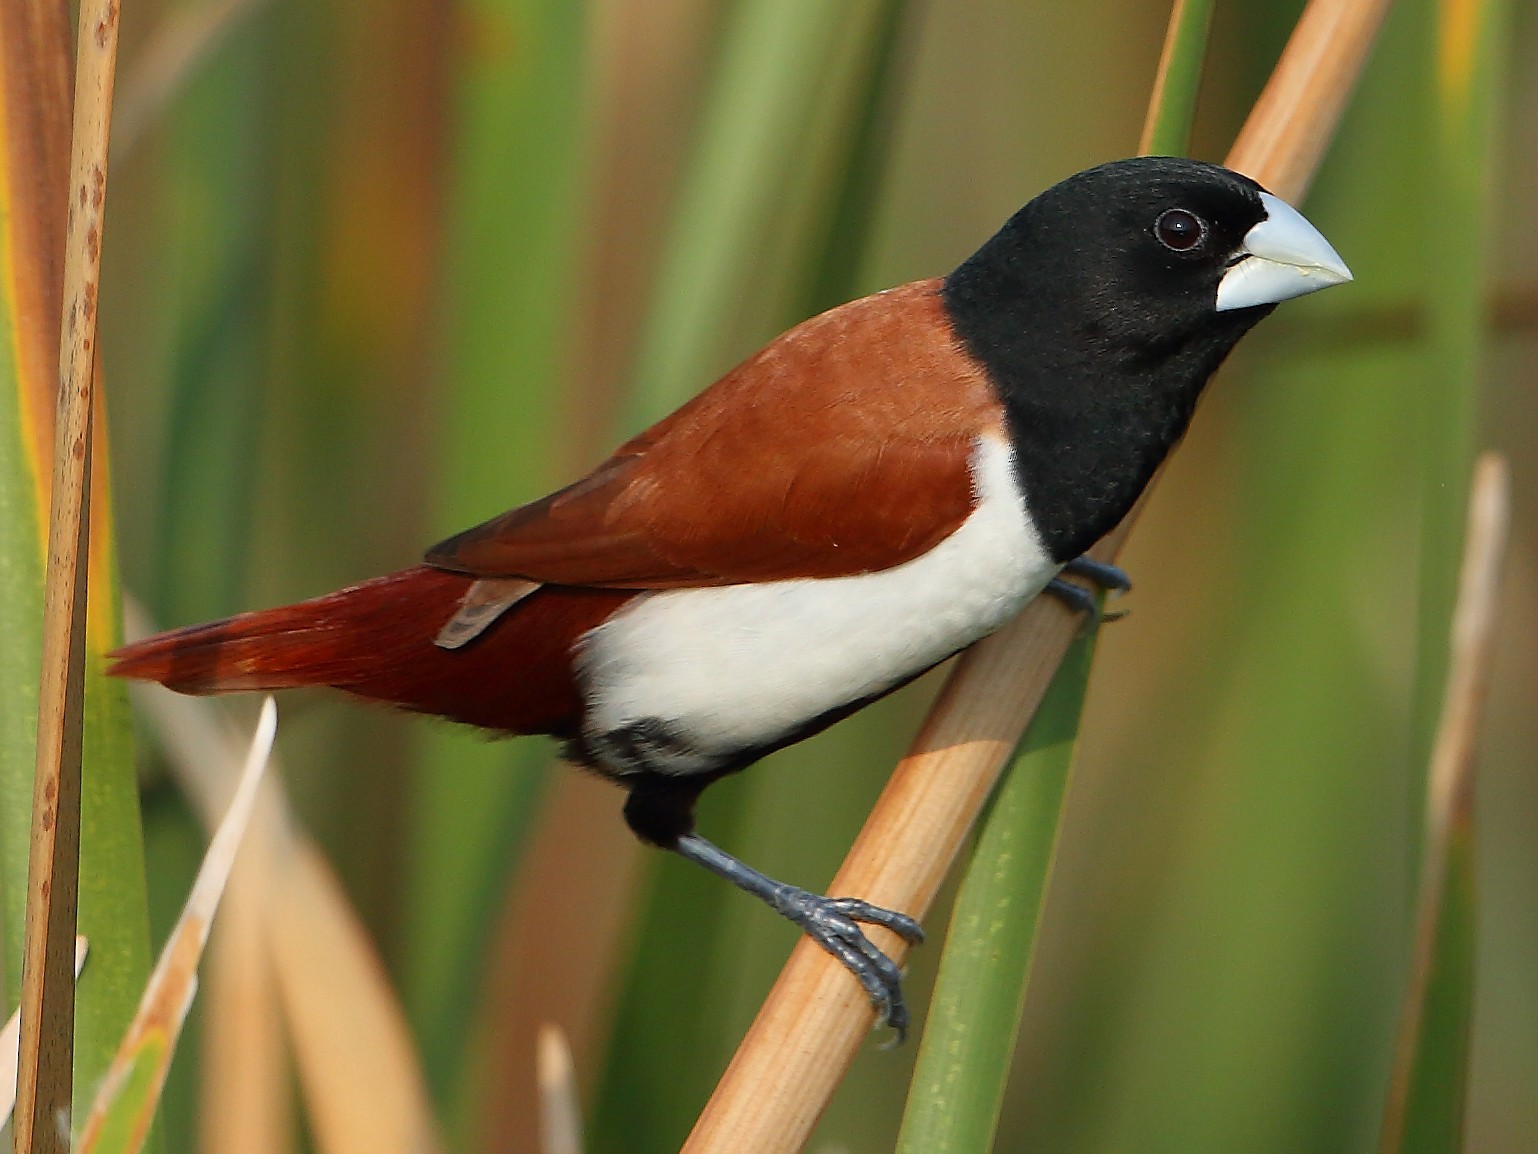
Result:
[[129, 1096], [323, 981], [245, 1079], [814, 1019], [1450, 783], [45, 1080], [560, 1117], [34, 112], [1285, 136], [10, 1040], [574, 886], [363, 1088]]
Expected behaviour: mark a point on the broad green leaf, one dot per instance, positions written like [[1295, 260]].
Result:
[[125, 1121], [1461, 214], [963, 1064]]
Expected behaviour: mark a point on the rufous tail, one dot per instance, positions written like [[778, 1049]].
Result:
[[376, 640]]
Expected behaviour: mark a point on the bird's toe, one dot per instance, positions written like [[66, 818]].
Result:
[[833, 923]]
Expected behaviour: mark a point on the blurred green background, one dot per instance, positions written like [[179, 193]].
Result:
[[378, 269]]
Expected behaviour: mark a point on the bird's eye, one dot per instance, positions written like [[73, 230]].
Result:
[[1180, 230]]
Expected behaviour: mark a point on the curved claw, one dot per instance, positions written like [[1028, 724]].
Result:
[[875, 980], [832, 924], [862, 911], [1111, 578], [1078, 600], [1107, 578]]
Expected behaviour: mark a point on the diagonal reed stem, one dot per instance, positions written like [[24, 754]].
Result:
[[959, 1078], [814, 1019], [53, 877]]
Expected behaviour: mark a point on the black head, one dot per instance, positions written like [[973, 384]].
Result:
[[1101, 309]]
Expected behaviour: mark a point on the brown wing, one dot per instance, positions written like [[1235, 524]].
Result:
[[841, 447]]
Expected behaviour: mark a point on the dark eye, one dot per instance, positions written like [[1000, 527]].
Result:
[[1180, 230]]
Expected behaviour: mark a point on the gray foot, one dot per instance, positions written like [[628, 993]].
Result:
[[1076, 597], [833, 923], [1081, 600], [1111, 578]]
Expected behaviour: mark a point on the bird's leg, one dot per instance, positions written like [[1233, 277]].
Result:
[[660, 809], [830, 922], [1098, 573]]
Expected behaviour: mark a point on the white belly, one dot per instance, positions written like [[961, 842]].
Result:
[[739, 667]]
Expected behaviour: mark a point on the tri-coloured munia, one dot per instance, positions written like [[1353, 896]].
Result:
[[865, 496]]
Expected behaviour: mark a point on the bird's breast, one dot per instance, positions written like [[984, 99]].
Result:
[[688, 681]]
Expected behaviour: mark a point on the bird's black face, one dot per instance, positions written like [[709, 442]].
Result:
[[1141, 259], [1103, 306], [1125, 260]]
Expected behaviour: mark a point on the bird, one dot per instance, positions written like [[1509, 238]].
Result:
[[864, 497]]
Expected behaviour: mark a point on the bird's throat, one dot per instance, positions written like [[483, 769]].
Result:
[[1090, 436]]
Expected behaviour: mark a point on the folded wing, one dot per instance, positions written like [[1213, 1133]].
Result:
[[843, 447]]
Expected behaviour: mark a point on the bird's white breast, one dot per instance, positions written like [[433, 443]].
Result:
[[738, 667]]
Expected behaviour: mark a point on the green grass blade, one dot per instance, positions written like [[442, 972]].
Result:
[[963, 1063], [739, 246], [113, 904], [112, 901], [1471, 43], [1461, 211], [1173, 108], [517, 157], [217, 246], [21, 584]]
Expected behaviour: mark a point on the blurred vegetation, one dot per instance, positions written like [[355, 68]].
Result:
[[88, 778], [379, 268]]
